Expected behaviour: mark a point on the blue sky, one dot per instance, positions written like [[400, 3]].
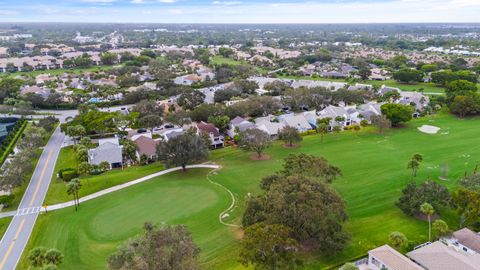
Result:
[[240, 11]]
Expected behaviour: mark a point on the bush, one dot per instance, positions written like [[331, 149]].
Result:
[[68, 174], [364, 123], [6, 200], [309, 132]]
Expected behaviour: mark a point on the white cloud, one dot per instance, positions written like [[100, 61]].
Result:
[[99, 1], [227, 3], [167, 1]]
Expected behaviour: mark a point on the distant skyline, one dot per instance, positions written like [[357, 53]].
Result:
[[241, 11]]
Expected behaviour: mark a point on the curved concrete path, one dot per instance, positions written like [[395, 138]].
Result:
[[113, 189]]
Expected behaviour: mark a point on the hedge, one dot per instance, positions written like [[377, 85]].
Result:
[[67, 174], [6, 147]]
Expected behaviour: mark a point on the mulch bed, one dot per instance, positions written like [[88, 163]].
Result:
[[262, 157]]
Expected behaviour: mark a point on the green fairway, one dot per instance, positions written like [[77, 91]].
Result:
[[374, 172], [87, 237], [220, 60], [92, 183]]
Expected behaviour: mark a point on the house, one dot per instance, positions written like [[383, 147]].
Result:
[[386, 89], [108, 150], [385, 257], [297, 121], [335, 112], [466, 240], [439, 256], [188, 79], [44, 93], [216, 138], [146, 147], [239, 124], [416, 99], [271, 128]]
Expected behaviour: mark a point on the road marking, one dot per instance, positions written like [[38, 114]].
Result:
[[10, 247], [41, 178], [28, 211]]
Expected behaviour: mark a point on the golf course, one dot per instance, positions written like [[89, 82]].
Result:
[[374, 168]]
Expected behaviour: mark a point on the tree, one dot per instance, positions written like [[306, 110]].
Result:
[[165, 248], [413, 196], [33, 138], [191, 99], [310, 166], [313, 210], [150, 121], [10, 87], [427, 209], [147, 107], [84, 168], [269, 247], [109, 58], [414, 164], [440, 228], [397, 113], [183, 149], [222, 122], [459, 88], [73, 188], [397, 239], [129, 150], [467, 204], [255, 140], [42, 258], [466, 105], [290, 135], [381, 122], [408, 75], [322, 128]]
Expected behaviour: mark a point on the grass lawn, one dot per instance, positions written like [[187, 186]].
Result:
[[427, 87], [374, 172], [87, 237], [220, 60], [93, 183], [4, 222]]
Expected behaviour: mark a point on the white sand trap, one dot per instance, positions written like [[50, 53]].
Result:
[[429, 129]]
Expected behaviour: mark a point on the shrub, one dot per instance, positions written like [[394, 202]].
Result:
[[309, 132], [68, 174], [364, 123], [6, 200]]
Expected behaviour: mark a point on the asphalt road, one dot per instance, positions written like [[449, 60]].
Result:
[[16, 237]]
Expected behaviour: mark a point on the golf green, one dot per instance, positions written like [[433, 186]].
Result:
[[374, 168]]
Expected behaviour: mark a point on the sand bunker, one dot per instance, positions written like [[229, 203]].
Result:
[[429, 129]]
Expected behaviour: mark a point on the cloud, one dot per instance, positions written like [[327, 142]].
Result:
[[138, 1], [99, 1], [167, 1], [226, 3]]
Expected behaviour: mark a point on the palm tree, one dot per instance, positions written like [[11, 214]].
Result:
[[397, 239], [73, 187], [427, 209], [322, 128]]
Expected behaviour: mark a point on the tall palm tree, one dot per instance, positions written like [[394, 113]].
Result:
[[73, 188], [427, 209]]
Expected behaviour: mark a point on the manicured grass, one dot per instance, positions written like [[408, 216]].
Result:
[[93, 183], [89, 236], [220, 60], [4, 222], [374, 173]]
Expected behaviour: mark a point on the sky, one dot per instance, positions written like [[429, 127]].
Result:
[[240, 11]]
